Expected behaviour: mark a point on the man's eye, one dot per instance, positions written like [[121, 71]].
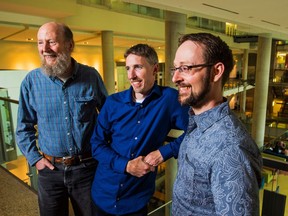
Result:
[[127, 68], [185, 68], [138, 67]]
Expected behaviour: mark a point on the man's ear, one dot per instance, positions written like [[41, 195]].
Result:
[[70, 46], [155, 69], [218, 71]]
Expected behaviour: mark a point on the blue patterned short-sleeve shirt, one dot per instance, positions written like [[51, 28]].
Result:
[[219, 167]]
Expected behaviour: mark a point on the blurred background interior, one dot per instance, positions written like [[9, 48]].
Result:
[[256, 31]]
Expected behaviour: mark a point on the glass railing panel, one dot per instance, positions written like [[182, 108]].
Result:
[[275, 174], [10, 156], [7, 139]]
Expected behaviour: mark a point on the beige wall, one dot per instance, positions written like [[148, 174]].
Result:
[[18, 56], [24, 56]]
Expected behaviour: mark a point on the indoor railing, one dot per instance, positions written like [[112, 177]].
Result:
[[12, 159], [159, 204]]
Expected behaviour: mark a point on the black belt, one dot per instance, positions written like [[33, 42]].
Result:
[[69, 160]]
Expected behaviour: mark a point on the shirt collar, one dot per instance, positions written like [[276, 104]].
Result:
[[206, 119], [155, 91], [75, 68]]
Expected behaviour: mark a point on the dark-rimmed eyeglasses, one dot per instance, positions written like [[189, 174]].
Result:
[[187, 68]]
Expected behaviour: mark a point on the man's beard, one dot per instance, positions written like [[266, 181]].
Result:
[[198, 99], [59, 68]]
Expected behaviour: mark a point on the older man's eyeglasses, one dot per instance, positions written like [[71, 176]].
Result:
[[187, 68]]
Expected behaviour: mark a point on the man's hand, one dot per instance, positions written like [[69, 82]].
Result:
[[41, 164], [137, 167], [154, 158]]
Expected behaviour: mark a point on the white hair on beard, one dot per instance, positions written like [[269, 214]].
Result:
[[59, 68]]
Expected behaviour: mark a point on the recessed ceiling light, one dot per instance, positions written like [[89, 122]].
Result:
[[85, 42], [29, 39]]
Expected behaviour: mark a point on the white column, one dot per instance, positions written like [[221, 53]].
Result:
[[175, 25], [108, 60], [261, 88]]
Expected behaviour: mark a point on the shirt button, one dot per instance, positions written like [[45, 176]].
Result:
[[121, 185], [136, 138], [64, 102], [139, 122], [118, 198], [66, 117], [68, 134], [115, 206]]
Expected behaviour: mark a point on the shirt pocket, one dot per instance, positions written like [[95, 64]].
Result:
[[85, 108]]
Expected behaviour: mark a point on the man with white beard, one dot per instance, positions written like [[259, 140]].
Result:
[[61, 98]]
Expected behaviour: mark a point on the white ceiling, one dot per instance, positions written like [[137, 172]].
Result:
[[19, 20]]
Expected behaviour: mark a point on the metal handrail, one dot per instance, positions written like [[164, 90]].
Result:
[[9, 100], [160, 207]]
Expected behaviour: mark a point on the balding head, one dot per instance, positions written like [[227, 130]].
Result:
[[62, 32], [55, 45]]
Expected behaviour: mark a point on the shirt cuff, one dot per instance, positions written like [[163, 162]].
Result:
[[166, 152], [120, 164]]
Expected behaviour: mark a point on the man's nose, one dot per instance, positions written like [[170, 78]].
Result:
[[131, 73], [176, 76], [46, 47]]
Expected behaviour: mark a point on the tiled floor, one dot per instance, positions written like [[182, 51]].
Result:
[[19, 168], [17, 198]]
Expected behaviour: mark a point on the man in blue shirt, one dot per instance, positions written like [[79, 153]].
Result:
[[129, 135], [61, 98], [219, 164]]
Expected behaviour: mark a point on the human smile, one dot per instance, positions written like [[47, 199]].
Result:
[[136, 83], [184, 89], [50, 55]]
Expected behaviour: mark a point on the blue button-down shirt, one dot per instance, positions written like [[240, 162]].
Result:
[[65, 113], [219, 167], [126, 130]]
